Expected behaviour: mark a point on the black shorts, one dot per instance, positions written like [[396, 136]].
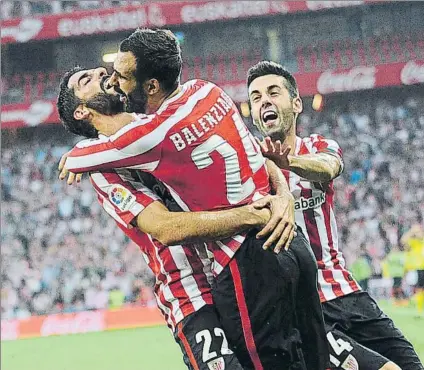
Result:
[[203, 342], [420, 281], [270, 309], [358, 317]]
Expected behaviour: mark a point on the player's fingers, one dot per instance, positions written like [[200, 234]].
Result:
[[262, 203], [285, 239], [62, 161], [269, 144], [78, 177], [63, 173], [291, 237], [277, 234], [71, 178], [269, 227], [278, 146], [285, 151]]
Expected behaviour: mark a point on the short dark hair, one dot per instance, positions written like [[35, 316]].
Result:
[[265, 68], [67, 103], [158, 55]]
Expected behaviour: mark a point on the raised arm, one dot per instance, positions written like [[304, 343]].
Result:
[[137, 145], [171, 228], [323, 165], [134, 205]]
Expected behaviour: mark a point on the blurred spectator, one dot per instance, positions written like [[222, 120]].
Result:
[[19, 9]]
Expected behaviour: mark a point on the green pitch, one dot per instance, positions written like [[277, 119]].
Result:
[[138, 349]]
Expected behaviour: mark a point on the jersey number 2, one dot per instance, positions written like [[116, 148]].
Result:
[[236, 190], [206, 337]]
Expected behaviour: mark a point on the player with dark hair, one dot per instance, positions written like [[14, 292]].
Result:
[[354, 321], [194, 140]]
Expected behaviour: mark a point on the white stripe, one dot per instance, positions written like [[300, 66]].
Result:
[[323, 237], [335, 236], [184, 88], [326, 288], [207, 260], [187, 279], [344, 285], [166, 290], [239, 238], [177, 198], [217, 268], [143, 144], [225, 248], [149, 141], [150, 166], [110, 209]]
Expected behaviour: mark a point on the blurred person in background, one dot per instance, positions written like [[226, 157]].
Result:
[[394, 267], [361, 269], [413, 240], [310, 165]]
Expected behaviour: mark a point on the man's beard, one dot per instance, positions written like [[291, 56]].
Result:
[[136, 101], [106, 104]]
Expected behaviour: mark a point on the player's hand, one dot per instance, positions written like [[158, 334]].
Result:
[[281, 226], [72, 177], [276, 151]]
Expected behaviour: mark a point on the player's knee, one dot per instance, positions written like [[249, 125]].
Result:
[[390, 366]]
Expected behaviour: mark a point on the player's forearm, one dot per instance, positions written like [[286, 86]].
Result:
[[277, 180], [315, 167], [195, 227]]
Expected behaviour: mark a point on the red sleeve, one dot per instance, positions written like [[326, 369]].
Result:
[[122, 198], [136, 145], [322, 145]]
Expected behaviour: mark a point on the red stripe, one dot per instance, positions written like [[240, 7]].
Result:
[[244, 315], [187, 347]]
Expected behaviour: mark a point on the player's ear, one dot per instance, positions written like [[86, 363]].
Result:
[[81, 113], [297, 105], [152, 86]]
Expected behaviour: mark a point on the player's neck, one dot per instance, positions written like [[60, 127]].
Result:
[[289, 139], [155, 104], [110, 125]]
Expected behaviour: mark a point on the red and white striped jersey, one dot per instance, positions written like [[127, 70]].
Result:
[[314, 209], [183, 273], [196, 144]]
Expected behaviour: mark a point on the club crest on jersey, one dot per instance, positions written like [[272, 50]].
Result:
[[121, 197], [217, 364], [350, 363], [303, 204]]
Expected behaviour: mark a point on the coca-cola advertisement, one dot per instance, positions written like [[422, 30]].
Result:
[[159, 14], [82, 322]]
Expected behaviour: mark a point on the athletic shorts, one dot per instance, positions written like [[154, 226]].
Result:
[[420, 281], [203, 342], [359, 318], [269, 307]]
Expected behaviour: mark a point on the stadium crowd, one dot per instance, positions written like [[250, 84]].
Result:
[[19, 9], [61, 253]]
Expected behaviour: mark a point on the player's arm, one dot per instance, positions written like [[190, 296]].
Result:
[[324, 165], [136, 145], [134, 205], [171, 228]]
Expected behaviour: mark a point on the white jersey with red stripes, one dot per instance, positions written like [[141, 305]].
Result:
[[314, 210], [183, 273], [196, 144]]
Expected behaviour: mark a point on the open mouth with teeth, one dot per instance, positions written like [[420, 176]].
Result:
[[269, 118]]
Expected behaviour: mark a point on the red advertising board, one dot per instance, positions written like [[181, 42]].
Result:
[[80, 322], [83, 23], [353, 79]]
